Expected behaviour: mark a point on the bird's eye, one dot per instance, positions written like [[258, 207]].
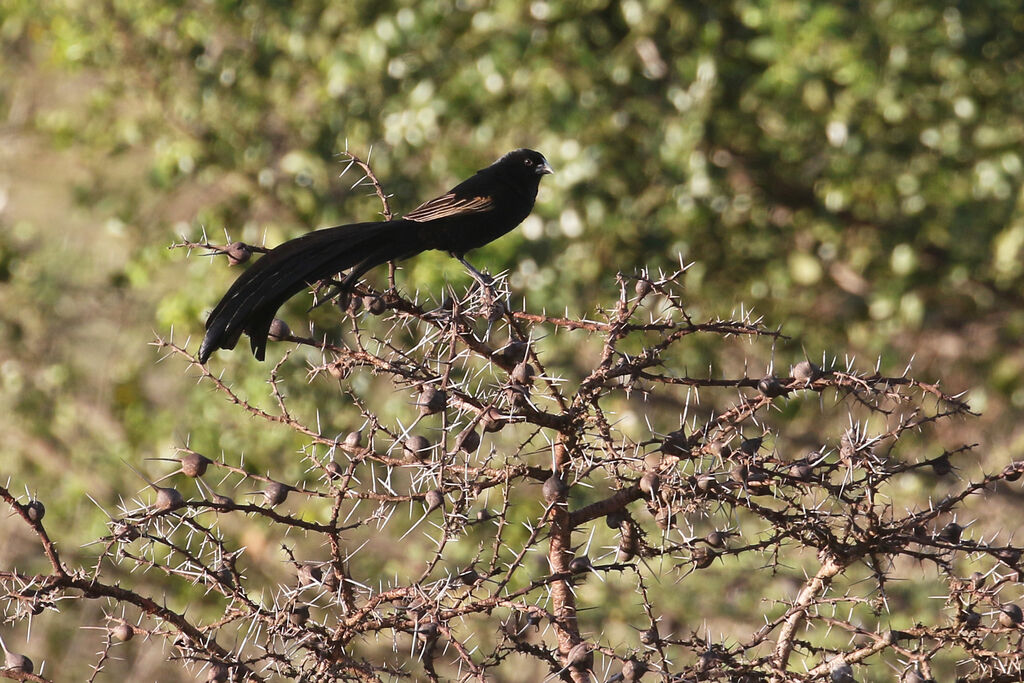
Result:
[[528, 162]]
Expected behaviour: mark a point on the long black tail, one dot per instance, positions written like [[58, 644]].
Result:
[[251, 303]]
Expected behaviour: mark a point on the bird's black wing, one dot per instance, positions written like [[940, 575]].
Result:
[[448, 205], [473, 195]]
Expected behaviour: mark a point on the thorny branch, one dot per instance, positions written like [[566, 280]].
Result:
[[453, 537]]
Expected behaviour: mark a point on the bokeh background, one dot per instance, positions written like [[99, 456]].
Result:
[[850, 171]]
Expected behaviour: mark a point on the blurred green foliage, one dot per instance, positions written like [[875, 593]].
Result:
[[851, 170]]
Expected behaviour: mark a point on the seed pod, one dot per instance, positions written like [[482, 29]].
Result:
[[434, 499], [751, 446], [275, 493], [426, 630], [332, 470], [702, 557], [338, 370], [417, 448], [523, 373], [977, 580], [299, 615], [354, 440], [194, 465], [343, 301], [633, 669], [771, 387], [35, 510], [125, 532], [715, 539], [514, 352], [579, 564], [238, 253], [941, 466], [468, 441], [580, 656], [218, 673], [615, 518], [650, 483], [706, 661], [1008, 556], [279, 331], [309, 575], [626, 551], [228, 503], [841, 672], [951, 533], [969, 618], [554, 488], [915, 676], [801, 470], [374, 304], [432, 400], [516, 395], [1012, 472], [675, 443], [168, 499], [643, 287], [706, 482], [492, 421], [1010, 615], [758, 482], [18, 663], [122, 632], [739, 473], [331, 580], [716, 447], [806, 371], [470, 577], [650, 636]]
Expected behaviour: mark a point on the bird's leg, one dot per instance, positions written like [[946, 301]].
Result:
[[483, 279], [491, 306]]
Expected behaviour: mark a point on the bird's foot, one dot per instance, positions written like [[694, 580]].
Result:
[[491, 304], [486, 292]]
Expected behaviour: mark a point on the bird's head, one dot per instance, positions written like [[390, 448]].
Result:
[[525, 163]]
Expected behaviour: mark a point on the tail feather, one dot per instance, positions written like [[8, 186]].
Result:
[[252, 301]]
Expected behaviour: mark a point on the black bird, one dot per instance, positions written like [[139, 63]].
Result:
[[477, 211]]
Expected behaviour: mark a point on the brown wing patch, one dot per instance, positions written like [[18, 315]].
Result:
[[448, 205]]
